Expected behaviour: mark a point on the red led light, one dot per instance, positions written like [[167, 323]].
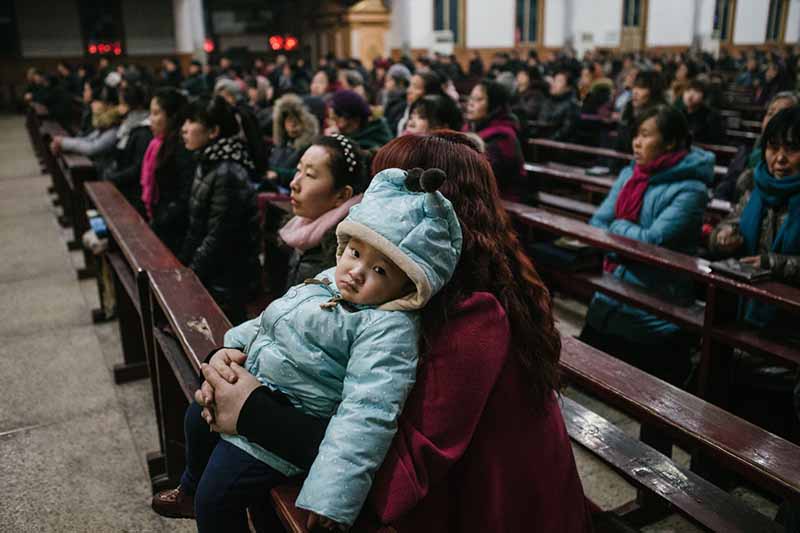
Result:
[[291, 42], [276, 42], [208, 45], [92, 49]]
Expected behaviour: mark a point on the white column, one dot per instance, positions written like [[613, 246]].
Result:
[[190, 31]]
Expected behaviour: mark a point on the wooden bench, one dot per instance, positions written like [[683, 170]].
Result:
[[186, 326], [133, 250], [695, 422], [547, 150], [76, 171], [719, 331]]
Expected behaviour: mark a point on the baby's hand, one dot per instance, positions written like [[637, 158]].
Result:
[[221, 362]]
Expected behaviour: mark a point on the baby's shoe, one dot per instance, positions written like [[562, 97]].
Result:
[[174, 503]]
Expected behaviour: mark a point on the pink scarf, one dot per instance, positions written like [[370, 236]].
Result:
[[304, 234], [630, 199], [148, 176]]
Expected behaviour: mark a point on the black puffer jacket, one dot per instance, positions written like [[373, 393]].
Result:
[[126, 170], [221, 244], [171, 212], [562, 111]]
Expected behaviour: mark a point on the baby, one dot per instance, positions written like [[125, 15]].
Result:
[[341, 346]]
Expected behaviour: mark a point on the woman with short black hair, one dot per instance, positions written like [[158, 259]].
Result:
[[765, 225], [659, 199]]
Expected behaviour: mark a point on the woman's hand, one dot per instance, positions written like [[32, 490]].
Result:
[[753, 261], [228, 398], [55, 144], [315, 520], [728, 239]]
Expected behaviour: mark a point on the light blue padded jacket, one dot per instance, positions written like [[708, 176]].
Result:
[[353, 363], [672, 217]]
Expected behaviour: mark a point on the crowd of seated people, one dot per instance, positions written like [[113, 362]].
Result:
[[190, 151]]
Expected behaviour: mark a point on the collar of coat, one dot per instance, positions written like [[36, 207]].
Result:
[[228, 149]]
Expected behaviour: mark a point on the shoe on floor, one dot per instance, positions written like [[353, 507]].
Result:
[[173, 503]]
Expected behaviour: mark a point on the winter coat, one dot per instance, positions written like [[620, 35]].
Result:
[[461, 459], [373, 135], [357, 362], [171, 211], [527, 105], [562, 110], [672, 217], [705, 124], [222, 241], [195, 85], [286, 153], [500, 133], [125, 170], [304, 265], [394, 108]]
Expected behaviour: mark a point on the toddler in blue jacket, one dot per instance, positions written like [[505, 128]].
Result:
[[341, 346]]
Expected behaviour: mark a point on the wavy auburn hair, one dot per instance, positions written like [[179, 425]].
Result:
[[492, 258]]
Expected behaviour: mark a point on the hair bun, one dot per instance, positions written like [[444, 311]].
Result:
[[429, 180], [432, 179]]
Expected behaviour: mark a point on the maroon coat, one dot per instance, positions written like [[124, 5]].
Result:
[[471, 452]]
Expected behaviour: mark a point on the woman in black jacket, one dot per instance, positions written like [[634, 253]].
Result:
[[133, 137], [222, 242], [174, 170]]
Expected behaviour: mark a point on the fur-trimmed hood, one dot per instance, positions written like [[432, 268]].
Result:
[[291, 104]]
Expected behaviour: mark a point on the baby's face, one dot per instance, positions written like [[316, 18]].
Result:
[[365, 276]]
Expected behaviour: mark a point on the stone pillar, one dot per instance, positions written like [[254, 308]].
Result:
[[360, 31], [190, 31], [369, 30]]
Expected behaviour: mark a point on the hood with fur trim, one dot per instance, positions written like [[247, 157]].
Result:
[[291, 104], [404, 216]]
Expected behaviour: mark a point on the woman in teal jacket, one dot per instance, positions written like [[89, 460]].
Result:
[[659, 199]]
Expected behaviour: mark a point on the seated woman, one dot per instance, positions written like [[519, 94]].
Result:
[[647, 92], [328, 181], [739, 178], [485, 392], [705, 123], [489, 115], [659, 199], [353, 117], [99, 143], [421, 84], [133, 138], [222, 243], [764, 228], [293, 128], [434, 112], [168, 169]]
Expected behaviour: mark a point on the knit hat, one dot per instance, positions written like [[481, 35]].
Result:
[[350, 104], [404, 217], [399, 70]]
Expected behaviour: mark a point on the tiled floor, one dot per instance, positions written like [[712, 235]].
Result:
[[72, 442]]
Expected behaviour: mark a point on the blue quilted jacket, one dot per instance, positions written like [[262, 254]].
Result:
[[672, 217]]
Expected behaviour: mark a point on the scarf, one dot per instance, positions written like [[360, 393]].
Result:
[[755, 158], [148, 176], [305, 234], [631, 197], [772, 192], [229, 149]]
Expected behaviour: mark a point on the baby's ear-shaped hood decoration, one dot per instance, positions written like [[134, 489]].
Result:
[[408, 220]]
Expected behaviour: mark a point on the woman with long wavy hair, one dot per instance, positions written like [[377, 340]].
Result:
[[481, 444]]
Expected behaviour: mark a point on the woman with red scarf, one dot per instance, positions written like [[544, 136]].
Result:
[[659, 199]]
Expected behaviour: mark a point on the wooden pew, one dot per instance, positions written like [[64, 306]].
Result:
[[76, 171], [186, 326], [595, 187], [133, 250], [545, 150], [716, 322], [695, 422], [725, 154]]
